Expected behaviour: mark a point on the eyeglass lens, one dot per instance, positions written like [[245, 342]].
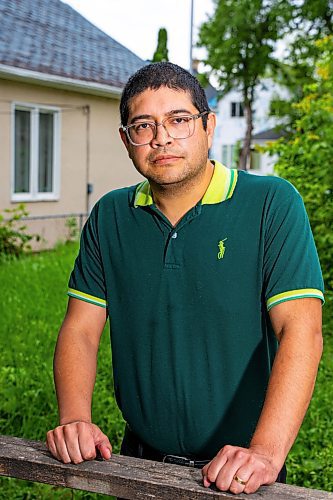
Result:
[[177, 127]]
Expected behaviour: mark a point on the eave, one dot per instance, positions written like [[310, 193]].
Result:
[[59, 82]]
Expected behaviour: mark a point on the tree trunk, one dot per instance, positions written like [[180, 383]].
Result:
[[245, 155]]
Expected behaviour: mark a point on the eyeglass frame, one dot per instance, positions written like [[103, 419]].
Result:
[[194, 117]]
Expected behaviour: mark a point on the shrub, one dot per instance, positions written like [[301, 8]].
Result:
[[305, 158], [14, 240], [73, 230]]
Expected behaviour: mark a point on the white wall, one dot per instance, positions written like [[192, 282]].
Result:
[[230, 129]]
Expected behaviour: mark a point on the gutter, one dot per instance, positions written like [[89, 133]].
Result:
[[59, 82]]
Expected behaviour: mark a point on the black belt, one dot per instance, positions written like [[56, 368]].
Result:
[[187, 462], [133, 446]]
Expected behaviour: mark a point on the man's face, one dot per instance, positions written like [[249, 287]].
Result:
[[167, 161]]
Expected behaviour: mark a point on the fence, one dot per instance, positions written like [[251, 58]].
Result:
[[54, 228], [126, 477]]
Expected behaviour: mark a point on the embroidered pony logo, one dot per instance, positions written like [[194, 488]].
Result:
[[221, 246]]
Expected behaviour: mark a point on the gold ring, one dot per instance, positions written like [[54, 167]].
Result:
[[239, 480]]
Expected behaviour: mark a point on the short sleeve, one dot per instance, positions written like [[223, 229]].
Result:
[[87, 278], [291, 263]]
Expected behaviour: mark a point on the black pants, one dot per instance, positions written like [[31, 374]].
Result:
[[133, 447]]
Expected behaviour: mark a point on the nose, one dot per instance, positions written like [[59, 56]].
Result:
[[162, 138]]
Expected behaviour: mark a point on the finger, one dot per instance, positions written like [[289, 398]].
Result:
[[51, 445], [105, 451], [59, 441], [240, 481], [86, 441], [71, 438], [253, 484], [214, 467], [236, 461], [206, 482], [259, 477], [102, 443], [205, 479]]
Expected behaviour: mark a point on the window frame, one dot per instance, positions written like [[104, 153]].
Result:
[[230, 150], [238, 106], [34, 194]]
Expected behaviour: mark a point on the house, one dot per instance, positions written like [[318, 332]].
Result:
[[60, 83], [231, 127]]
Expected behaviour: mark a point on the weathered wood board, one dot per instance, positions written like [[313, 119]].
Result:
[[130, 478]]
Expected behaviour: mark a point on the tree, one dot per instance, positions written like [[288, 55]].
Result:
[[311, 20], [240, 39], [305, 158], [161, 52]]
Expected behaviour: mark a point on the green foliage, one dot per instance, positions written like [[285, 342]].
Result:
[[32, 307], [305, 158], [311, 20], [240, 39], [73, 229], [14, 240], [161, 52]]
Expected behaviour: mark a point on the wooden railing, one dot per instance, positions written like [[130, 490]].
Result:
[[130, 478]]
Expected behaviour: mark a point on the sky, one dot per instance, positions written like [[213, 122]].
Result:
[[135, 23]]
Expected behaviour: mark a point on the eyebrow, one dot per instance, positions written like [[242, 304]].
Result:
[[169, 113]]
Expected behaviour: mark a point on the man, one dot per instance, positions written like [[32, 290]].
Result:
[[204, 272]]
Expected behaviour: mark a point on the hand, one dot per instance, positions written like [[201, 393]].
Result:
[[253, 466], [77, 441]]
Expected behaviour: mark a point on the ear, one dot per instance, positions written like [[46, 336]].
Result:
[[125, 141], [211, 124]]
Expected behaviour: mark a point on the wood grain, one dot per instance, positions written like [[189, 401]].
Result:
[[126, 477]]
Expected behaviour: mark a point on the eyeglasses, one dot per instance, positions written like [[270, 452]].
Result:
[[142, 132]]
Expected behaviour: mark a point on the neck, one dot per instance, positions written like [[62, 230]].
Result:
[[175, 200]]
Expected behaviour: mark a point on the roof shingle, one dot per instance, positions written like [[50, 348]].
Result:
[[50, 37]]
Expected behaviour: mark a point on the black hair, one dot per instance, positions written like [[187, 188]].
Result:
[[163, 74]]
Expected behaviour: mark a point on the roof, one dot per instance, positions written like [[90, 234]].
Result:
[[49, 37], [269, 134]]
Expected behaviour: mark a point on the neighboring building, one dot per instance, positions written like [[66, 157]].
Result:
[[231, 127], [60, 83]]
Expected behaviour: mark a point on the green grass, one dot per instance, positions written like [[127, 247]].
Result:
[[32, 306]]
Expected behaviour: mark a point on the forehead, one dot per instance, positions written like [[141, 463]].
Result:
[[159, 102]]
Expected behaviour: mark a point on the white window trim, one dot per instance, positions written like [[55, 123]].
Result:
[[34, 195]]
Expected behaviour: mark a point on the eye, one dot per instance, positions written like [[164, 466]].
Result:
[[140, 127], [180, 120]]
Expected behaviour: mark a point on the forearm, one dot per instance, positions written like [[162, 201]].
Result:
[[75, 363], [289, 393]]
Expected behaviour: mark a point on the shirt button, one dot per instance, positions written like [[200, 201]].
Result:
[[174, 236]]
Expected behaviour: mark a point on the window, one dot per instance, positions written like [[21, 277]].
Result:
[[255, 160], [237, 109], [229, 155], [36, 166]]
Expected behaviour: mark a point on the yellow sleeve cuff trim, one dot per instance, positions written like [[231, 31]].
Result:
[[302, 293], [86, 297]]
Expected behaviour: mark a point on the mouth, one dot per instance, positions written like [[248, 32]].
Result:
[[165, 159]]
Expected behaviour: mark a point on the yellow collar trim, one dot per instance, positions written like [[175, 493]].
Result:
[[221, 188]]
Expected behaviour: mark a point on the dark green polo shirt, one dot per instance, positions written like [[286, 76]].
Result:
[[192, 343]]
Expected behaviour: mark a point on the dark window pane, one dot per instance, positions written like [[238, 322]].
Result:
[[22, 151], [241, 109], [233, 109], [45, 171]]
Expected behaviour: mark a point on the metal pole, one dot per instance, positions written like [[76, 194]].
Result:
[[191, 37]]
